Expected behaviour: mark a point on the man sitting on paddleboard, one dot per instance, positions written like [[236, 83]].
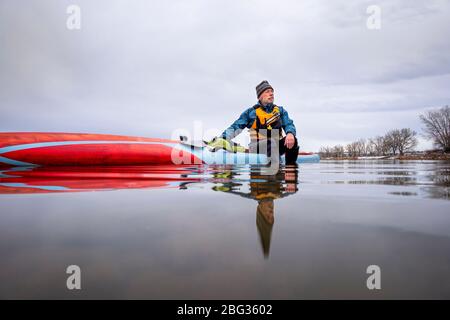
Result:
[[261, 119]]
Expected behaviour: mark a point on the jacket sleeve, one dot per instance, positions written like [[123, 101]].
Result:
[[237, 126], [288, 124]]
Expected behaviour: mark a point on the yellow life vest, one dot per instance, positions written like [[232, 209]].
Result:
[[265, 120]]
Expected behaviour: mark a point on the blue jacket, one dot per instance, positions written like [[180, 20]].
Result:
[[247, 118]]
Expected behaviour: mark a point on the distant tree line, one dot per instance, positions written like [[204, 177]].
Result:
[[398, 141]]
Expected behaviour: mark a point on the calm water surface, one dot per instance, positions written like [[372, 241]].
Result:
[[227, 232]]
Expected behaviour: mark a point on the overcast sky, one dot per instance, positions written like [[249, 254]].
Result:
[[147, 68]]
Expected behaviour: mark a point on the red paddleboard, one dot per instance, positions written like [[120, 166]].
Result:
[[80, 149]]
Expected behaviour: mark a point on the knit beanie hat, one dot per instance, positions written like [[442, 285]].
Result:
[[261, 87]]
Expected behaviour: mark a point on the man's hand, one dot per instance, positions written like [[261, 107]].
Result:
[[289, 141]]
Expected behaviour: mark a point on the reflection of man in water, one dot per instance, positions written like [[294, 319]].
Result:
[[264, 189], [264, 223]]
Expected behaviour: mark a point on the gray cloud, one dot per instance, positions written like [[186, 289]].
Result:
[[149, 67]]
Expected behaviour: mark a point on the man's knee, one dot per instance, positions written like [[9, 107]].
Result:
[[295, 143]]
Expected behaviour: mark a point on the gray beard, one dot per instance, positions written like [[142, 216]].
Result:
[[265, 104]]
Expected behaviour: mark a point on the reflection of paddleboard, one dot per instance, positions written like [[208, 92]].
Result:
[[77, 149], [76, 179]]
